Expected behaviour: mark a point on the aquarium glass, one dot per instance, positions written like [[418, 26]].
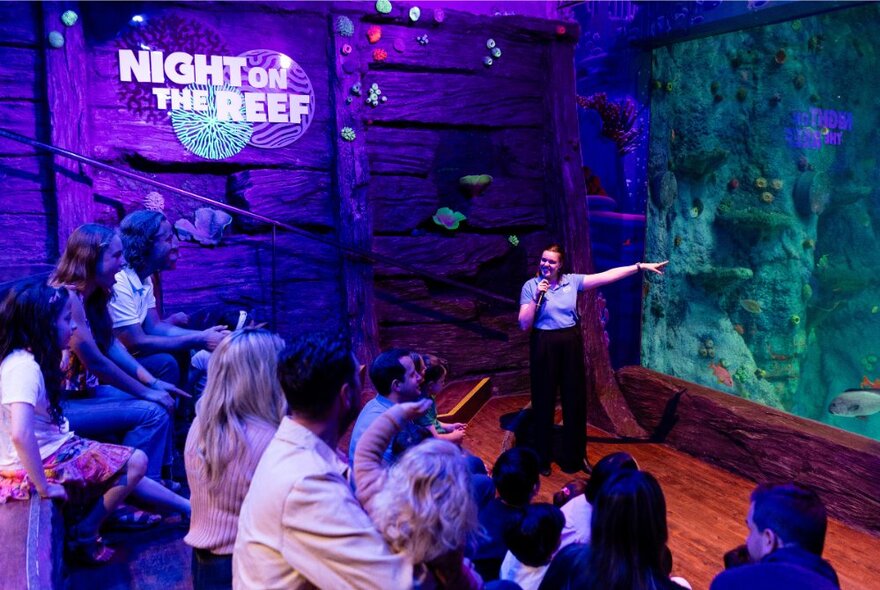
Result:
[[764, 181]]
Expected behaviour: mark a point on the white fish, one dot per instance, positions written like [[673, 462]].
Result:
[[856, 402]]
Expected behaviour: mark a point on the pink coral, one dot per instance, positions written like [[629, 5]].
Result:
[[618, 119], [380, 55]]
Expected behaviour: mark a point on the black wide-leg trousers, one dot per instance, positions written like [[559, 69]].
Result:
[[556, 360]]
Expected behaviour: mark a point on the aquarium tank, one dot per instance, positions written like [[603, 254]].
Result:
[[764, 179]]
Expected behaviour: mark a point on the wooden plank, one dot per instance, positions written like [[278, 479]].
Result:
[[355, 214], [22, 117], [403, 203], [762, 443], [24, 181], [455, 99], [478, 393], [117, 135], [452, 153], [466, 345], [21, 73], [458, 254], [300, 197], [66, 83], [455, 49], [412, 301], [26, 238], [125, 195], [20, 23]]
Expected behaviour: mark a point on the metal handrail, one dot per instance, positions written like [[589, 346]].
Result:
[[368, 255]]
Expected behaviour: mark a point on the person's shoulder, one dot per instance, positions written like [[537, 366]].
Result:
[[770, 576], [20, 360]]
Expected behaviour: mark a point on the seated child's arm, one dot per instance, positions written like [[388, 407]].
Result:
[[25, 443], [452, 435]]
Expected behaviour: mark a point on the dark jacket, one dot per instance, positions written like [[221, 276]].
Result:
[[787, 568]]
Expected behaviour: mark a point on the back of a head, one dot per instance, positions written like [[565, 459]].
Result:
[[137, 230], [242, 385], [386, 368], [569, 569], [426, 507], [795, 513], [435, 367], [534, 536], [604, 469], [312, 369], [409, 436], [516, 474], [629, 531]]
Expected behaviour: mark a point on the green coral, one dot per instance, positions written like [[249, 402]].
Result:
[[383, 6], [348, 134]]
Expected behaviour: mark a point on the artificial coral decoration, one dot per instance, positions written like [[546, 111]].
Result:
[[383, 6], [202, 133], [618, 119], [415, 13], [208, 229], [473, 185], [514, 241], [344, 26], [154, 202], [374, 33], [439, 15], [56, 39], [348, 134], [399, 45], [373, 98], [487, 61], [346, 49], [69, 18], [380, 55], [496, 52], [448, 218], [422, 39]]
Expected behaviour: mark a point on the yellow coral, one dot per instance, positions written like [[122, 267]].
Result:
[[776, 183], [761, 182], [767, 197]]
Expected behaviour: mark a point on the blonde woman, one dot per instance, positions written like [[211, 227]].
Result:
[[236, 418], [423, 504]]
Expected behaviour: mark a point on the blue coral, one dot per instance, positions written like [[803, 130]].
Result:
[[344, 26]]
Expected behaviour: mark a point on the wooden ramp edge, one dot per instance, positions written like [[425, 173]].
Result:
[[478, 393]]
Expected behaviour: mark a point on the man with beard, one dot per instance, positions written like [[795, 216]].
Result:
[[300, 525], [150, 246]]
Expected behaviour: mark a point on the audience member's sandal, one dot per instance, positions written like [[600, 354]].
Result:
[[89, 550], [128, 518]]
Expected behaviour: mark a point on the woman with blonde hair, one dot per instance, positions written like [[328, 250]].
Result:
[[238, 414], [423, 504]]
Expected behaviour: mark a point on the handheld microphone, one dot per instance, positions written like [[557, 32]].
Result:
[[540, 298]]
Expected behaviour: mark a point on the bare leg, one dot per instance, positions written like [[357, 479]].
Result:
[[153, 492], [124, 485]]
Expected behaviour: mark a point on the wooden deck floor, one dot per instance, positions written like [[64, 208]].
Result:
[[706, 505], [707, 508]]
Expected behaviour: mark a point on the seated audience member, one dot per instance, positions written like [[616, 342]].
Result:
[[569, 569], [533, 540], [300, 525], [236, 418], [38, 452], [109, 395], [578, 510], [517, 480], [627, 548], [787, 525], [434, 381], [150, 246], [422, 504], [396, 380]]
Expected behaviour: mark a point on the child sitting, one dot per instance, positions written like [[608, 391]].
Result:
[[435, 371], [38, 452], [532, 541], [422, 505]]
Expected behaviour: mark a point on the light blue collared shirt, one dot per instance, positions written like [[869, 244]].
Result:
[[559, 309], [371, 410]]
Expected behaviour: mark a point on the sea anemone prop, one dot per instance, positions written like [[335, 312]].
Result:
[[473, 185], [618, 119], [448, 218]]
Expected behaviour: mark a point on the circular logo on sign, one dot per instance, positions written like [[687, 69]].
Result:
[[266, 68]]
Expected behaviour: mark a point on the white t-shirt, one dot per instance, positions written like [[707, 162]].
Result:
[[22, 381], [578, 514], [528, 577], [133, 299]]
